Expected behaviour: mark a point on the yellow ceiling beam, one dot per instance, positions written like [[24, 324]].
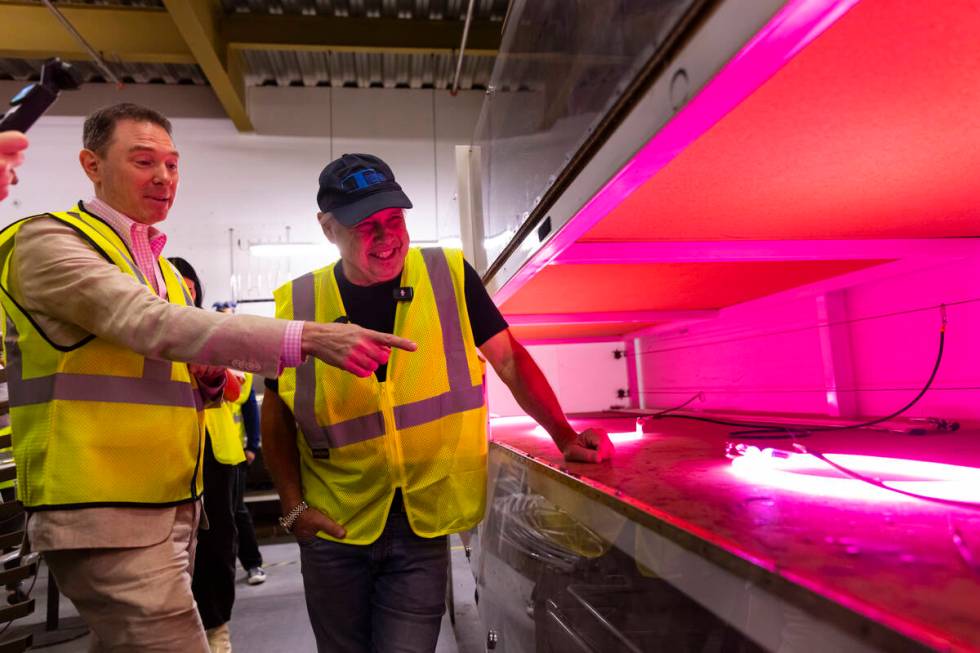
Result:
[[30, 31], [199, 22], [390, 35]]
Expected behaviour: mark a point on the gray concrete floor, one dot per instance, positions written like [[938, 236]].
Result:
[[272, 618]]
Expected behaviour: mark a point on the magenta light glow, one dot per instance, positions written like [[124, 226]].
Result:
[[805, 473], [794, 26], [524, 425]]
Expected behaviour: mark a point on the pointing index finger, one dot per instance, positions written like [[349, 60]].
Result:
[[395, 341]]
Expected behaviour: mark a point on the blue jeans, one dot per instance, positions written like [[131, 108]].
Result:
[[388, 596]]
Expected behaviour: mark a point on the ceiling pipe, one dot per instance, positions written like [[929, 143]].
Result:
[[96, 57], [462, 47]]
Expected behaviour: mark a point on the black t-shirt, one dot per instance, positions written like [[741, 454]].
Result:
[[373, 307]]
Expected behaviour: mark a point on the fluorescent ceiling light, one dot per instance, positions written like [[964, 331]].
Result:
[[324, 250]]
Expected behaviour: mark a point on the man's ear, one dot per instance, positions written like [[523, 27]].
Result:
[[91, 164], [328, 224]]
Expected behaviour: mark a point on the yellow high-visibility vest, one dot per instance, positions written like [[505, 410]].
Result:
[[224, 431], [225, 427], [236, 407], [94, 423], [422, 430]]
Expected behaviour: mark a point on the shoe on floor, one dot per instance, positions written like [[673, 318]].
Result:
[[219, 639], [256, 576]]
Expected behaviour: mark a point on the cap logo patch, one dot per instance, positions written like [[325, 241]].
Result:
[[362, 179]]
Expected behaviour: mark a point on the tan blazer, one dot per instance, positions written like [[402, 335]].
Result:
[[71, 291]]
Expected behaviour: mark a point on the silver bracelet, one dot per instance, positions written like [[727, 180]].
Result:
[[289, 520]]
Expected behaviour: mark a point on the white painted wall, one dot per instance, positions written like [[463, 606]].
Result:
[[261, 183]]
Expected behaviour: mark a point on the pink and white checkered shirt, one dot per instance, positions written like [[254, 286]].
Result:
[[146, 243], [292, 346], [145, 240]]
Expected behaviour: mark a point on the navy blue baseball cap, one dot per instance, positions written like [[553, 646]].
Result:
[[356, 186]]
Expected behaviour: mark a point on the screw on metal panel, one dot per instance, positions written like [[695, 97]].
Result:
[[680, 87]]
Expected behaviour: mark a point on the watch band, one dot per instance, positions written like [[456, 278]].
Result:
[[288, 520]]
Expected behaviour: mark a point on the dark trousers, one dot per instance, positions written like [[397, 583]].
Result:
[[214, 566], [248, 545], [386, 596]]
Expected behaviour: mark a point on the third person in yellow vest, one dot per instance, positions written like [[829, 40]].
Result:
[[213, 578], [382, 468], [245, 413]]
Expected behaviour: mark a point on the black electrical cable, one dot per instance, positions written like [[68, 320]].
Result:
[[770, 431], [807, 327], [932, 377], [970, 505], [779, 432], [794, 431], [665, 411]]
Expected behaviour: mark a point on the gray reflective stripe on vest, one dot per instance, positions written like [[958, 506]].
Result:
[[441, 279], [304, 403], [152, 389], [157, 369], [135, 268], [319, 437], [462, 395], [355, 430], [237, 417], [433, 408]]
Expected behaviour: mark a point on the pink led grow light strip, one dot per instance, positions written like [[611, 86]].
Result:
[[790, 30], [806, 474]]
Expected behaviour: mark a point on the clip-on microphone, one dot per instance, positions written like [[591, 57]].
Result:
[[403, 294]]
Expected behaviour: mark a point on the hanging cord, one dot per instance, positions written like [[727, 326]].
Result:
[[782, 431], [697, 396], [971, 505], [760, 431]]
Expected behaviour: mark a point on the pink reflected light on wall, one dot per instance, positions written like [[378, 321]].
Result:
[[807, 474]]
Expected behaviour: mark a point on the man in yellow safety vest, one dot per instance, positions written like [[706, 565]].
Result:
[[109, 370], [384, 467]]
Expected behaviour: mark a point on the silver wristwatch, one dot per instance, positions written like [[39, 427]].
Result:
[[289, 519]]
